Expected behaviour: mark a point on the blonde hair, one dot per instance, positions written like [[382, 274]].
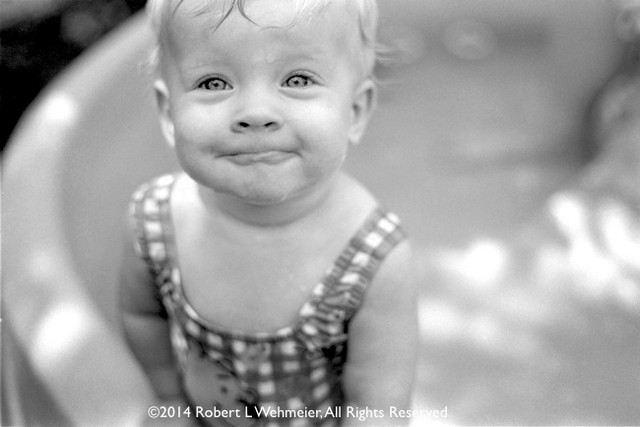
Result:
[[159, 12]]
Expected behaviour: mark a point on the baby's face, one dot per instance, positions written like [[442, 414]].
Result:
[[263, 112]]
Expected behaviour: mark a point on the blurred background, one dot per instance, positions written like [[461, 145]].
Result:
[[507, 138], [39, 38]]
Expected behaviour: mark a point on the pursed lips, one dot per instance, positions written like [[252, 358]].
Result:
[[267, 156]]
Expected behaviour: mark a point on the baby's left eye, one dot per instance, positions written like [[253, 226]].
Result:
[[299, 80]]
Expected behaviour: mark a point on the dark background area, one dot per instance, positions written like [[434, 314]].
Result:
[[38, 38]]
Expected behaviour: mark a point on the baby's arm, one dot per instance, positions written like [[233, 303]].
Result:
[[146, 327], [383, 342]]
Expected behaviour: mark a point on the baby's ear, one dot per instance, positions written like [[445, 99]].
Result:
[[166, 121], [363, 104]]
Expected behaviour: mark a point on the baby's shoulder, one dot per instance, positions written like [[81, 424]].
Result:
[[154, 190], [353, 198], [147, 200], [381, 228], [160, 181], [364, 218]]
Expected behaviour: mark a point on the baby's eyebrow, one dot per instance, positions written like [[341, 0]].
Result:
[[302, 56], [196, 66]]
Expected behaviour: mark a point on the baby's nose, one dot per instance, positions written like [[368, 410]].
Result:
[[256, 123], [257, 114]]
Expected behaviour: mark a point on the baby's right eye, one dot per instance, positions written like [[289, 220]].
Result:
[[214, 83]]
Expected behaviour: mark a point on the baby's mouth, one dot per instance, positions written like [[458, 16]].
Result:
[[270, 157]]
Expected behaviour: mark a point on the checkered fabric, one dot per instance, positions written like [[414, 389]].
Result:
[[297, 367]]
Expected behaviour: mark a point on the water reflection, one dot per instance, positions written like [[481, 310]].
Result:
[[538, 321], [539, 328]]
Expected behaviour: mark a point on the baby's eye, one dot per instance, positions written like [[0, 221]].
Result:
[[214, 83], [299, 80]]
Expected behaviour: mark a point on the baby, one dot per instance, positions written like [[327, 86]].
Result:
[[266, 286]]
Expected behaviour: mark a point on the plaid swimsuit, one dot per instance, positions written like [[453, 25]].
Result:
[[284, 378]]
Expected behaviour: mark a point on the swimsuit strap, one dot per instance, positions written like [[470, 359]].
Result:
[[149, 211], [326, 316]]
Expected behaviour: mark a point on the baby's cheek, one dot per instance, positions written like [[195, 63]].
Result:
[[328, 129], [200, 124]]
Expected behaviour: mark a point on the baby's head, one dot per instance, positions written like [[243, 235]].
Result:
[[261, 98], [362, 22]]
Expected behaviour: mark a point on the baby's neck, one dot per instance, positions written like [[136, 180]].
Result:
[[270, 215]]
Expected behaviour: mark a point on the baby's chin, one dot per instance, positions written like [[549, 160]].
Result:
[[258, 195], [262, 198]]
